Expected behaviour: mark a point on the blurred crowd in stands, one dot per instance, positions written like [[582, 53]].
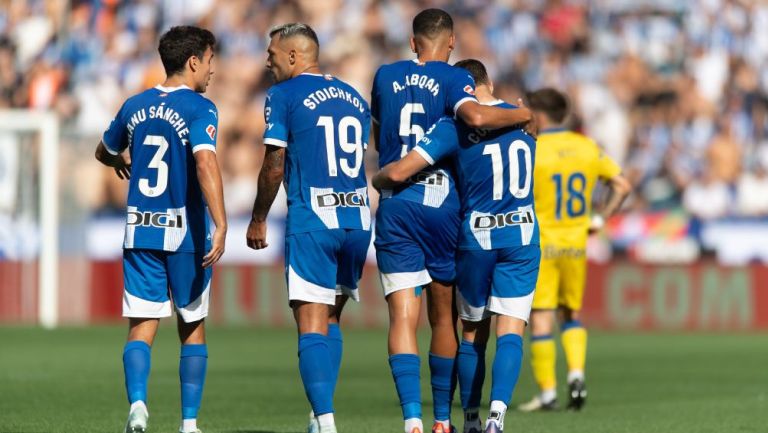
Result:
[[676, 91]]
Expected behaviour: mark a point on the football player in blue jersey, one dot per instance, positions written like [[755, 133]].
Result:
[[317, 130], [168, 133], [498, 248], [417, 223]]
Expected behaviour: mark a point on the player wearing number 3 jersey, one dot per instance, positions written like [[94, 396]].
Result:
[[417, 223], [170, 133], [317, 130]]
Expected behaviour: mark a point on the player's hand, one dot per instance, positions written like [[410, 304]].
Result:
[[217, 249], [531, 127], [596, 224], [123, 167], [256, 236]]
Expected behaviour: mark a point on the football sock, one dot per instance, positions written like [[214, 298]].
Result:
[[406, 373], [316, 372], [506, 367], [412, 423], [326, 420], [192, 365], [574, 339], [336, 348], [443, 380], [471, 367], [188, 425], [136, 364], [543, 358]]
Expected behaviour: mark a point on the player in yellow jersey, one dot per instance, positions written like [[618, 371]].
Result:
[[568, 166]]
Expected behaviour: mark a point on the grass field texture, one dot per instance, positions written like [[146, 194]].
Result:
[[71, 380]]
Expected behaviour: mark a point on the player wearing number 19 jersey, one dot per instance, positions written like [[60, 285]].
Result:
[[417, 223], [317, 130], [568, 166], [498, 257], [170, 132]]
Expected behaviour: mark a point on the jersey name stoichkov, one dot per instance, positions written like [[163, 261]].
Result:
[[162, 128], [324, 125]]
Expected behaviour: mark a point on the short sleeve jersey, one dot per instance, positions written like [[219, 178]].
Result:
[[568, 165], [494, 177], [324, 125], [407, 99], [162, 128]]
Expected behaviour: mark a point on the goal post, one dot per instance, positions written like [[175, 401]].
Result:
[[45, 125]]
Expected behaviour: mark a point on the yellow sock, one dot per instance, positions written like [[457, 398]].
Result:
[[543, 358], [574, 338]]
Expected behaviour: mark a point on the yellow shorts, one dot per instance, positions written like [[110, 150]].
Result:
[[562, 277]]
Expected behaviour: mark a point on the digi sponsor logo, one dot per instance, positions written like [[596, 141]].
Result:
[[155, 219], [488, 222], [428, 178], [211, 131], [340, 199]]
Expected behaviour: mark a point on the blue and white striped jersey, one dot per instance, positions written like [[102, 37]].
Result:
[[163, 127], [407, 98], [324, 125], [494, 177]]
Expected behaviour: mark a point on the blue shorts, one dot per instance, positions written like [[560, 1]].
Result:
[[153, 278], [415, 244], [497, 281], [324, 263]]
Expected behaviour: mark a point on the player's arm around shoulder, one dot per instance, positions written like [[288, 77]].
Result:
[[439, 141]]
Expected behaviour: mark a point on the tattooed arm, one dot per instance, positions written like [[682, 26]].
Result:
[[270, 177]]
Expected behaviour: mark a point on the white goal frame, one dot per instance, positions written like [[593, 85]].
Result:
[[46, 125]]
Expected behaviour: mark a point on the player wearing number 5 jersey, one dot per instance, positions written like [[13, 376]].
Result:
[[417, 223], [317, 130], [498, 257], [568, 166], [170, 133]]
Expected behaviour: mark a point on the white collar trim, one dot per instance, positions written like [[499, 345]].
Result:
[[171, 89]]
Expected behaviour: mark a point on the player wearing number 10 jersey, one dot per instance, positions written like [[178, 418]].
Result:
[[317, 130], [170, 133], [417, 223], [498, 257]]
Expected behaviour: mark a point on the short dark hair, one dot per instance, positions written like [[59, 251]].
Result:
[[551, 102], [431, 22], [476, 69], [180, 43], [294, 29]]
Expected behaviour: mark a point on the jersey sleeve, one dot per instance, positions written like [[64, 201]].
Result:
[[607, 168], [202, 131], [115, 138], [461, 89], [276, 118], [441, 140], [375, 97]]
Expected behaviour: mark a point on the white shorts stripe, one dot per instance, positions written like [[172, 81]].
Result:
[[403, 280]]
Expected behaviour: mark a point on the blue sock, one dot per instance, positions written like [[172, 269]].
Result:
[[406, 370], [471, 366], [316, 371], [336, 347], [443, 372], [192, 365], [136, 363], [506, 367]]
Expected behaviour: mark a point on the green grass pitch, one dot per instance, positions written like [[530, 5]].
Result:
[[71, 380]]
